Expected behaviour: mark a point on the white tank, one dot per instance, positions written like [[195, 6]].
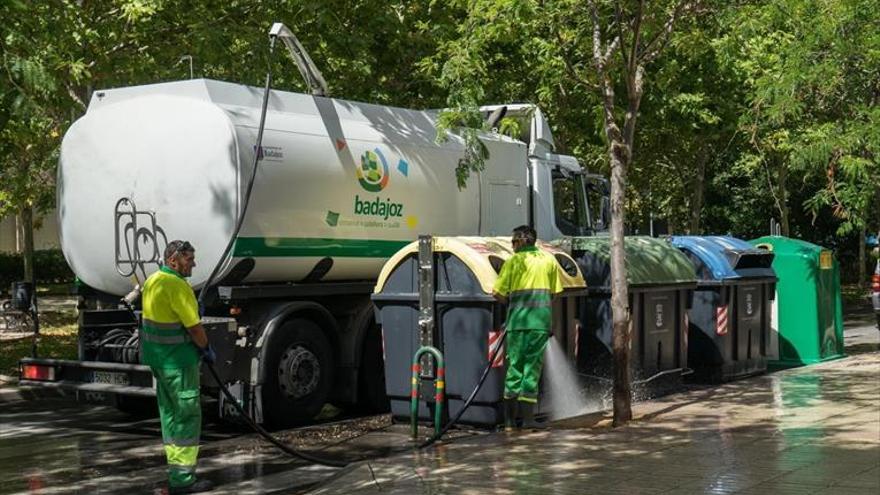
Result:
[[342, 185]]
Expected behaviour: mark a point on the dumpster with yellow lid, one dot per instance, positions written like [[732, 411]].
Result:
[[467, 321]]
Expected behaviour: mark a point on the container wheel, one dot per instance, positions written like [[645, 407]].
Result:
[[299, 374]]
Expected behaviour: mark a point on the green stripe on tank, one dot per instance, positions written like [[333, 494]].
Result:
[[252, 247]]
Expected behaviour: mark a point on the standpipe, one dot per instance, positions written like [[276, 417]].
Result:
[[439, 388]]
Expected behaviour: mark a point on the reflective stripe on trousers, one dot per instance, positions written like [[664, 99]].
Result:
[[177, 392]]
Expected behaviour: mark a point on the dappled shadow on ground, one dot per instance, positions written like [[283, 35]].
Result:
[[809, 430]]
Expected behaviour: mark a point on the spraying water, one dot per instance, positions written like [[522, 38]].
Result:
[[567, 395]]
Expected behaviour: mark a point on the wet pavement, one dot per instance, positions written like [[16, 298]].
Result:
[[812, 430], [57, 446]]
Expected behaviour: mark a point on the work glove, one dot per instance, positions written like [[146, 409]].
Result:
[[208, 354]]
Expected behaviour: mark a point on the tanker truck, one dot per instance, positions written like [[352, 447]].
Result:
[[340, 187]]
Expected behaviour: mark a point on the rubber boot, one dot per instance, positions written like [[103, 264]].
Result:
[[529, 422], [510, 412], [201, 485]]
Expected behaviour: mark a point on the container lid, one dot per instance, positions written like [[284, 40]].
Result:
[[723, 257], [484, 256], [786, 246], [649, 261]]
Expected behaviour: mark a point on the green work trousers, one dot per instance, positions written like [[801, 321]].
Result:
[[177, 391], [525, 360]]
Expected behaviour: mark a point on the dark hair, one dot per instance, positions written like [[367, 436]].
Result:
[[176, 247], [526, 234]]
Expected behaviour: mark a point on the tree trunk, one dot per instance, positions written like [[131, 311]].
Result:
[[698, 195], [863, 273], [783, 201], [27, 224], [621, 331]]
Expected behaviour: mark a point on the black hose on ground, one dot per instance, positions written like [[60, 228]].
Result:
[[334, 463], [470, 398], [265, 434]]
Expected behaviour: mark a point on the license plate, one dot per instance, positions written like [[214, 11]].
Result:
[[110, 377]]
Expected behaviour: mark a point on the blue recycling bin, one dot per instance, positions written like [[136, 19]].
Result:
[[729, 321]]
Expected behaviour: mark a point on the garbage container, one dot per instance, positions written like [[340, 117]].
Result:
[[467, 323], [661, 281], [807, 315], [729, 328]]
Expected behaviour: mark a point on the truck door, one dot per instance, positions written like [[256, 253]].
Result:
[[507, 203], [569, 203]]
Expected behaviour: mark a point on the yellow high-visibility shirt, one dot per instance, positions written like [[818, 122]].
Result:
[[169, 308], [529, 279]]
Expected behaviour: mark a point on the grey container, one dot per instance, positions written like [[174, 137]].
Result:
[[467, 318], [661, 281], [730, 317]]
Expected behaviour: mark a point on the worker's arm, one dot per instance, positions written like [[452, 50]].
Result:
[[199, 337], [184, 305]]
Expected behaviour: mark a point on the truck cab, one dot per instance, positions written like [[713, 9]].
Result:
[[565, 199]]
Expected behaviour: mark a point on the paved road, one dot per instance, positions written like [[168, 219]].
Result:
[[799, 431], [61, 447], [806, 431]]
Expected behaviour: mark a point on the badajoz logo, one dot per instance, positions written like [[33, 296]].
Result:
[[373, 173]]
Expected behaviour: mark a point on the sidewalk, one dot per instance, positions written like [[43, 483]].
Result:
[[811, 431]]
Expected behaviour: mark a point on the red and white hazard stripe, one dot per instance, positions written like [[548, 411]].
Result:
[[721, 314], [495, 343]]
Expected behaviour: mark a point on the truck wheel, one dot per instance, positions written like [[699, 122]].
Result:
[[371, 377], [299, 374]]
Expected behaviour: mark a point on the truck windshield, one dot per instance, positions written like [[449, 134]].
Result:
[[569, 202]]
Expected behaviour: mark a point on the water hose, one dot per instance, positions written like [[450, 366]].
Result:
[[223, 257], [265, 434], [470, 398], [258, 155]]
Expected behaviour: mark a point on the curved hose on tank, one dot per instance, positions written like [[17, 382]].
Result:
[[258, 153]]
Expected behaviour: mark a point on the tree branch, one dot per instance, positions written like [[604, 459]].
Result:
[[634, 49], [652, 49]]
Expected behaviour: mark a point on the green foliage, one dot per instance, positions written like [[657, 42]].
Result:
[[51, 268], [809, 68], [769, 108], [58, 340]]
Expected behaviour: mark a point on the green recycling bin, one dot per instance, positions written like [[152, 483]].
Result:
[[807, 314], [661, 282]]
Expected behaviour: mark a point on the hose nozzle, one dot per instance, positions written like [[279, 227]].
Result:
[[132, 296]]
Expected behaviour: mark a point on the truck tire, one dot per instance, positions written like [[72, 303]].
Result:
[[299, 374], [372, 398]]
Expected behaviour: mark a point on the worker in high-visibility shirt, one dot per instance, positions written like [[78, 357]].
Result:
[[526, 283], [173, 340]]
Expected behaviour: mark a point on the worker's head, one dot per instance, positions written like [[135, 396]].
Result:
[[524, 236], [180, 256]]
